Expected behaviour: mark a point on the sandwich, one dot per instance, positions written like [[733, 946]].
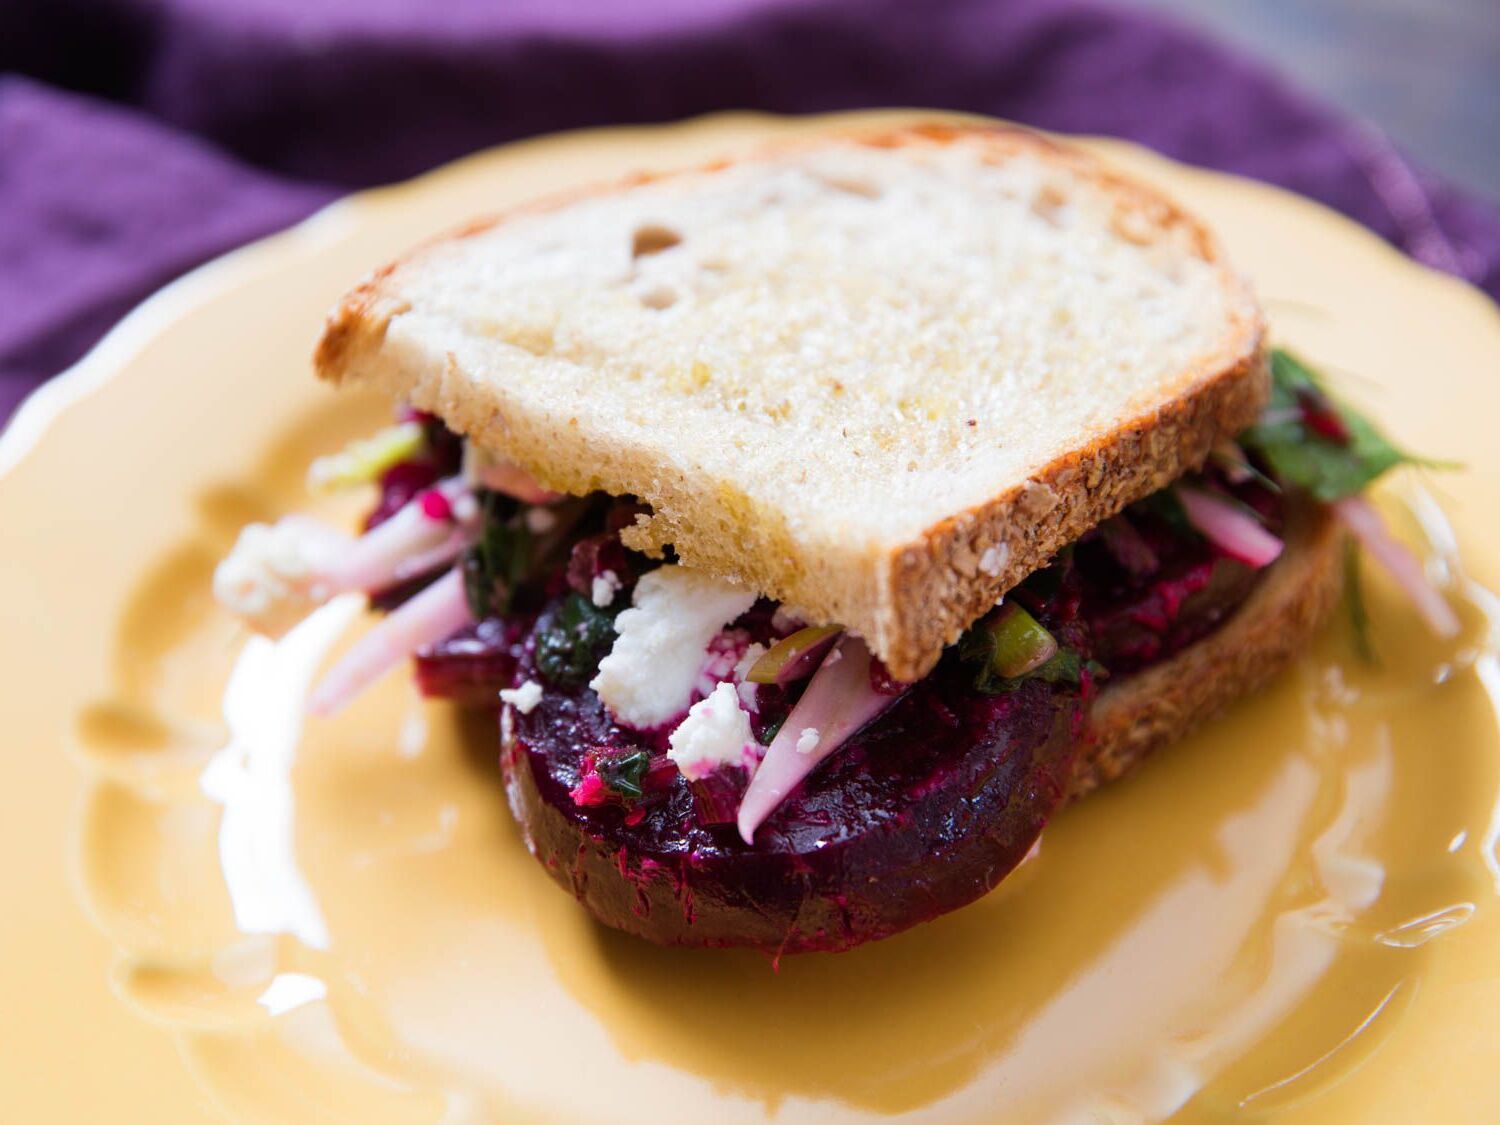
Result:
[[819, 523]]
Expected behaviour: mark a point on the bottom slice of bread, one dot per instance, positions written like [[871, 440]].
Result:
[[1274, 625]]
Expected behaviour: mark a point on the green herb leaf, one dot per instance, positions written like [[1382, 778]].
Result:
[[1322, 465], [1354, 596], [571, 643], [498, 563], [1064, 668], [1164, 504], [771, 730], [622, 774]]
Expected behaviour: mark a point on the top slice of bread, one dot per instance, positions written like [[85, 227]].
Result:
[[880, 378]]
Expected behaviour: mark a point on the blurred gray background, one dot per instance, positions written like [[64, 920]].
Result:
[[1427, 71]]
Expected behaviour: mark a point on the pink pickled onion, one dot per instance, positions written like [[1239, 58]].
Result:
[[839, 700], [444, 553], [437, 612], [1230, 528], [379, 557], [1231, 458], [514, 481], [1363, 519]]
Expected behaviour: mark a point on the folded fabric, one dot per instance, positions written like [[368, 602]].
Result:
[[99, 207], [209, 122]]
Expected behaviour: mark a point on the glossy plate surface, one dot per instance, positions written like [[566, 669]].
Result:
[[211, 905]]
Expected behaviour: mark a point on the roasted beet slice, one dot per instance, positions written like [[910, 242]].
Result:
[[919, 815], [472, 666]]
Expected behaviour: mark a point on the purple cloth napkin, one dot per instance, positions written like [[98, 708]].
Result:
[[149, 135]]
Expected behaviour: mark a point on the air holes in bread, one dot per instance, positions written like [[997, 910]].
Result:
[[653, 239], [659, 297]]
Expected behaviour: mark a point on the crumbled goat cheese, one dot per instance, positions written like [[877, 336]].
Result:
[[992, 562], [807, 741], [649, 674], [714, 733], [746, 689], [606, 586], [272, 577], [540, 520], [524, 698], [719, 662]]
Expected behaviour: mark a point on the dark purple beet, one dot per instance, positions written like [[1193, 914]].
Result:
[[717, 797], [1181, 606], [919, 815], [472, 666], [1321, 416], [405, 480], [1146, 590], [441, 457], [596, 554]]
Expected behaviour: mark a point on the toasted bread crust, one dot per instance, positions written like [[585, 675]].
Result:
[[917, 597], [1274, 625], [937, 590]]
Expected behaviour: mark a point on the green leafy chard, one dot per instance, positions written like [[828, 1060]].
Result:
[[1316, 444], [1165, 505], [623, 774], [571, 643], [1324, 448], [772, 729], [498, 563]]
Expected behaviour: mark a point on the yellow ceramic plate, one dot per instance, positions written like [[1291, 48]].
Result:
[[208, 904]]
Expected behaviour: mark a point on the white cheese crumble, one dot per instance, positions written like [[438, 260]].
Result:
[[272, 577], [540, 520], [524, 698], [993, 561], [606, 586], [747, 690], [714, 733], [807, 741], [649, 674]]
